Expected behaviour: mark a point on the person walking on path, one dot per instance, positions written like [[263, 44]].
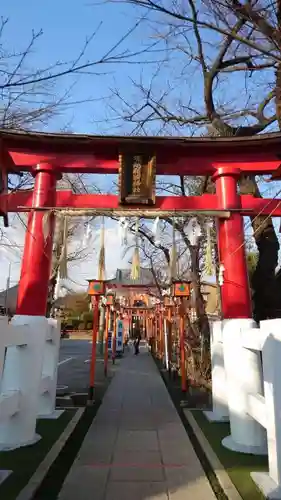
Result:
[[137, 342]]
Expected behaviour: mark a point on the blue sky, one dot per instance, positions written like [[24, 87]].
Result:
[[66, 25]]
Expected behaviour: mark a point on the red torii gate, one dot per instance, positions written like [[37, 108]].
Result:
[[48, 156]]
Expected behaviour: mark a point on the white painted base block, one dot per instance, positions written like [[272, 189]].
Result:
[[4, 474], [52, 416], [61, 389], [266, 485], [71, 407], [212, 416], [230, 444], [36, 438], [65, 398]]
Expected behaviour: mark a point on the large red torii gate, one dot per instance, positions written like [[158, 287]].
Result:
[[48, 156]]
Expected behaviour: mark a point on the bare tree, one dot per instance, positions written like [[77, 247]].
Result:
[[232, 53], [30, 101], [16, 76], [75, 229]]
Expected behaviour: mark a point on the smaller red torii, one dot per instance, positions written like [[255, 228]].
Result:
[[48, 156]]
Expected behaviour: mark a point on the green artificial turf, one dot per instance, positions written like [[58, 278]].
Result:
[[181, 401], [24, 461], [53, 481], [237, 465]]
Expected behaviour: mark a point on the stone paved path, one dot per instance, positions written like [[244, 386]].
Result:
[[137, 447]]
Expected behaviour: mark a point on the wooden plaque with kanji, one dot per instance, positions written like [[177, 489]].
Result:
[[137, 179]]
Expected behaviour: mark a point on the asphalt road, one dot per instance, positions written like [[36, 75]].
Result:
[[74, 365]]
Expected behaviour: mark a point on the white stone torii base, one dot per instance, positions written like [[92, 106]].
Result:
[[243, 376], [220, 411], [22, 377]]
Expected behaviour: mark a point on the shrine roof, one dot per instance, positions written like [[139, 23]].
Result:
[[123, 278]]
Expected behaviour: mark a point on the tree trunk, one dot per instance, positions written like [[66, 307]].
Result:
[[203, 322], [57, 249], [266, 292]]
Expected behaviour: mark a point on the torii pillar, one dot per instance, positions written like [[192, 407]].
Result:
[[37, 256], [235, 290]]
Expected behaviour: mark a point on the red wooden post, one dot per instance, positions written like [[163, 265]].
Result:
[[169, 336], [153, 329], [161, 332], [146, 326], [106, 339], [157, 333], [114, 336], [95, 302], [130, 324], [235, 292], [37, 256], [95, 290], [182, 351]]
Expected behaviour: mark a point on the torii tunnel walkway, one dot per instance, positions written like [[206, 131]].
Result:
[[137, 447]]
